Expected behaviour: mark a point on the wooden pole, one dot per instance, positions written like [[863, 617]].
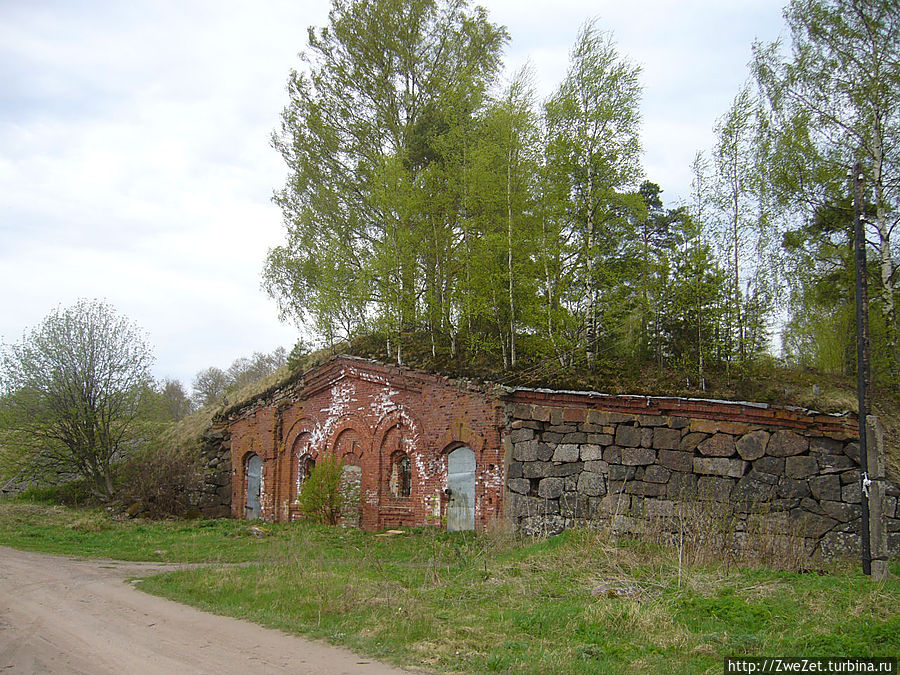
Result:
[[862, 359]]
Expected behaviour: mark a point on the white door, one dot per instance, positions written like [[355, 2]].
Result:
[[254, 485], [461, 483]]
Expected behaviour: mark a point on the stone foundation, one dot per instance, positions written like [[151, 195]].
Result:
[[780, 477]]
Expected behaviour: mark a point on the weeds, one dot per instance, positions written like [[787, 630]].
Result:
[[498, 602]]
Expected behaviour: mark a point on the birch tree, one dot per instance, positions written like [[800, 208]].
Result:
[[378, 84], [593, 154], [835, 100]]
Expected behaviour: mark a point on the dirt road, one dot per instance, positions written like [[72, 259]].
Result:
[[65, 615]]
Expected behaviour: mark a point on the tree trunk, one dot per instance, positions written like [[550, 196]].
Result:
[[509, 251]]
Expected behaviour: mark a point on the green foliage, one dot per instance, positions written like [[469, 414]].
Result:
[[831, 103], [322, 496], [427, 202], [73, 393]]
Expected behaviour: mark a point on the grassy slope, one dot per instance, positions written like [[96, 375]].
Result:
[[492, 603]]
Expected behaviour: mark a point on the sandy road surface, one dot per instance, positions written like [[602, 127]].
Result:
[[65, 615]]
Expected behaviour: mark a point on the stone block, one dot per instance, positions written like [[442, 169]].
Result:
[[789, 488], [567, 452], [628, 437], [635, 487], [750, 488], [811, 505], [544, 452], [733, 428], [703, 426], [519, 435], [718, 445], [753, 445], [770, 465], [551, 437], [646, 438], [652, 420], [576, 415], [541, 413], [574, 437], [574, 505], [841, 511], [825, 487], [852, 476], [603, 439], [519, 485], [658, 509], [839, 544], [562, 429], [828, 446], [591, 484], [536, 469], [565, 469], [720, 466], [714, 488], [571, 483], [542, 526], [515, 470], [766, 478], [597, 466], [811, 525], [800, 466], [522, 411], [604, 418], [890, 507], [786, 444], [590, 453], [666, 439], [676, 460], [679, 422], [556, 415], [851, 493], [550, 488], [615, 503], [612, 454], [690, 441], [589, 428], [656, 474], [526, 424], [829, 463], [638, 456], [682, 485], [525, 451], [655, 489], [619, 472]]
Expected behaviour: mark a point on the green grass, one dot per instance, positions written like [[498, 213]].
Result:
[[94, 533], [494, 602]]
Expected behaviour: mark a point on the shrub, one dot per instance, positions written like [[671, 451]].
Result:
[[321, 497], [161, 479]]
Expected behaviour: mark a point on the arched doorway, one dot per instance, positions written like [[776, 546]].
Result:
[[461, 486], [254, 487]]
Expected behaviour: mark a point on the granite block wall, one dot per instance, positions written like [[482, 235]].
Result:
[[632, 462]]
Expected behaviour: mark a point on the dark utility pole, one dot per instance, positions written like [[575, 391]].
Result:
[[862, 358]]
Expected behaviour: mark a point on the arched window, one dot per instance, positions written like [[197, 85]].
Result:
[[304, 468], [401, 476]]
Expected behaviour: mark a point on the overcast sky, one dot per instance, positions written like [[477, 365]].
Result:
[[135, 163]]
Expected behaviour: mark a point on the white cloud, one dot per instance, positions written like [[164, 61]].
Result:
[[135, 158]]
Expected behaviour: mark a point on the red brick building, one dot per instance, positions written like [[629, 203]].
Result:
[[417, 448]]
